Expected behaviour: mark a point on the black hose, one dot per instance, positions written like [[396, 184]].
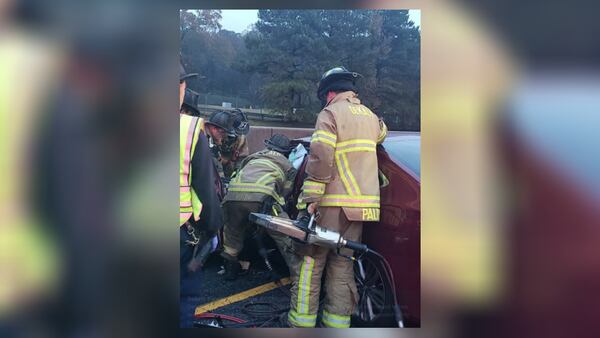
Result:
[[390, 277], [262, 317], [356, 246], [360, 247], [252, 310]]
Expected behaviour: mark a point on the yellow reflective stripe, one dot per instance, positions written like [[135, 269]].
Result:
[[383, 132], [263, 177], [356, 197], [302, 320], [249, 187], [354, 142], [352, 179], [313, 187], [314, 191], [315, 183], [301, 206], [325, 134], [238, 177], [364, 201], [335, 321], [342, 172], [324, 137], [328, 323], [317, 138], [269, 164], [303, 301], [336, 317], [355, 145], [349, 204], [267, 178], [347, 178], [349, 150]]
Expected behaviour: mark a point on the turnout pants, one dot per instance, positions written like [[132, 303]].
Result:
[[237, 226], [341, 295]]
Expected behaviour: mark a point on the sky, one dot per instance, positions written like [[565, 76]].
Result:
[[238, 20]]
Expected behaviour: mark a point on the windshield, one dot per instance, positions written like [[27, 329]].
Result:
[[407, 151]]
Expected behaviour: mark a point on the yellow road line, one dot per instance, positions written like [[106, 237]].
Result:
[[240, 296]]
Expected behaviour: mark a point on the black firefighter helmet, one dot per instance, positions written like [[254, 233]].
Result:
[[336, 79], [234, 123], [240, 123], [183, 75], [223, 120], [190, 102], [279, 143]]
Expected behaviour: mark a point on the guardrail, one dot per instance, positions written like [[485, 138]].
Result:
[[252, 114]]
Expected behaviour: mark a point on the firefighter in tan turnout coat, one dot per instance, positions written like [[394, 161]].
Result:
[[342, 188], [262, 183]]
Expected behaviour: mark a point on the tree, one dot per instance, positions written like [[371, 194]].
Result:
[[286, 48], [214, 53], [292, 48], [199, 20], [278, 63]]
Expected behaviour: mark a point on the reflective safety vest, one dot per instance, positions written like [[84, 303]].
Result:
[[342, 165], [189, 203], [263, 174]]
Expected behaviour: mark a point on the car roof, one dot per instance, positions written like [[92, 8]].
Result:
[[402, 135], [392, 136]]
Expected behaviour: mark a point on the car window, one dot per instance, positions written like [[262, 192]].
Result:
[[407, 151]]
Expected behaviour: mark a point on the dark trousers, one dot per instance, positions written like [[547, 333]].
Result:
[[185, 250]]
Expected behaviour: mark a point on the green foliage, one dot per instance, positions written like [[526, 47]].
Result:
[[278, 63], [215, 54], [200, 20]]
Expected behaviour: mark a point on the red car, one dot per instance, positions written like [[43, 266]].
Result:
[[396, 236]]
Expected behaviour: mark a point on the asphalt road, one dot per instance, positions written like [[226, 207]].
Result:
[[211, 292], [207, 286]]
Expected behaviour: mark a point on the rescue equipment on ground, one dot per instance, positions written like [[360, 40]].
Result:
[[307, 231]]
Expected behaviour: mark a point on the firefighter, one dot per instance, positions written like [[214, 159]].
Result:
[[235, 147], [228, 139], [341, 188], [200, 213], [219, 124], [261, 185], [190, 103]]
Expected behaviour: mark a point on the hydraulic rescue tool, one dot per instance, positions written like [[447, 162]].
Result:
[[307, 231]]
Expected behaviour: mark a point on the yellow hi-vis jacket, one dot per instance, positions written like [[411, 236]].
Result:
[[190, 128], [342, 164]]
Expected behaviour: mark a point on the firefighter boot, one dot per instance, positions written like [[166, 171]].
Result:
[[232, 268]]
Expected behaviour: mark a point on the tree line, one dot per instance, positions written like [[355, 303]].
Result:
[[277, 63]]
